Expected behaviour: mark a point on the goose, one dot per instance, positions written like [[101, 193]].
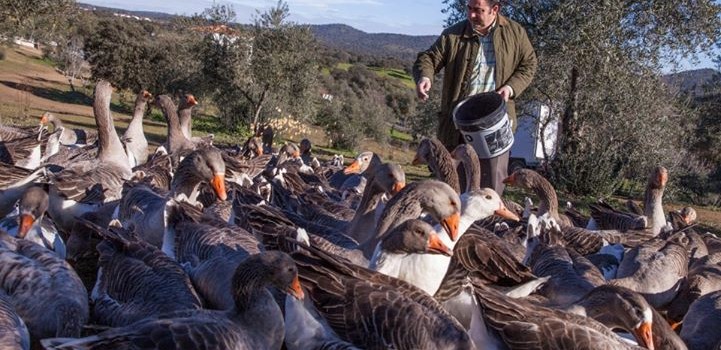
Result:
[[208, 249], [703, 315], [571, 275], [427, 271], [13, 183], [531, 180], [12, 132], [654, 269], [136, 145], [413, 235], [144, 209], [480, 256], [25, 152], [83, 187], [13, 331], [465, 154], [433, 197], [306, 153], [372, 310], [30, 273], [704, 277], [388, 178], [185, 109], [683, 217], [432, 152], [68, 137], [363, 162], [136, 281], [620, 308], [503, 322], [254, 322], [30, 222], [177, 144], [653, 218]]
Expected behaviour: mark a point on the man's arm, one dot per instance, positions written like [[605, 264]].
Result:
[[427, 64], [526, 69]]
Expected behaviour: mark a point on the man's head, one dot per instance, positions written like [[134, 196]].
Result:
[[482, 13]]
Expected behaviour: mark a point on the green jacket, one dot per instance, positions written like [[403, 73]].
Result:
[[456, 50]]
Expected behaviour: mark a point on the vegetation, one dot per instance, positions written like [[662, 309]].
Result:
[[599, 70]]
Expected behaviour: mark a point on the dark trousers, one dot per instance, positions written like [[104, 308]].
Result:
[[494, 171]]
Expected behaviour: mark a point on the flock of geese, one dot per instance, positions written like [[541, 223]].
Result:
[[105, 245]]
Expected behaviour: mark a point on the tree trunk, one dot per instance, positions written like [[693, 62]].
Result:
[[258, 107], [568, 143]]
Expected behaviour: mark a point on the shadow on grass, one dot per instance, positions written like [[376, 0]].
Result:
[[57, 95]]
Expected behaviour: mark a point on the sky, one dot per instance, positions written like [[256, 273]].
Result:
[[412, 17]]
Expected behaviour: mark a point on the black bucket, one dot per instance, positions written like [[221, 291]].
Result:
[[484, 123]]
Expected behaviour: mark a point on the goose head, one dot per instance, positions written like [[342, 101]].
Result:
[[524, 178], [414, 236], [268, 268], [206, 165], [484, 203], [658, 178], [360, 164], [689, 215], [305, 146], [619, 307], [32, 207], [49, 118], [443, 204], [390, 178], [188, 101]]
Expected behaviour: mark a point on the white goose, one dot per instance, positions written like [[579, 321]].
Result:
[[426, 271]]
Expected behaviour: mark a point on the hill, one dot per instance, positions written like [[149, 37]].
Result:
[[693, 81], [344, 37]]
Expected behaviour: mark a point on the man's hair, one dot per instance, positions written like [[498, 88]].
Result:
[[491, 3]]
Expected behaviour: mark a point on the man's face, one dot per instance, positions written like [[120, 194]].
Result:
[[480, 14]]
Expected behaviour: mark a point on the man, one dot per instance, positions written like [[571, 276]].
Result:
[[485, 52]]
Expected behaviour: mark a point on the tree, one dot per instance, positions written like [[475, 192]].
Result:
[[36, 20], [268, 69], [599, 61]]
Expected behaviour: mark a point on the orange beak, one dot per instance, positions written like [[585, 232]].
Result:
[[192, 101], [506, 214], [26, 222], [644, 335], [676, 325], [511, 180], [218, 184], [436, 246], [296, 154], [353, 168], [397, 187], [663, 178], [259, 152], [450, 224], [44, 119], [147, 94], [295, 289]]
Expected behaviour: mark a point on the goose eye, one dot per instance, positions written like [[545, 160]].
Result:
[[488, 196]]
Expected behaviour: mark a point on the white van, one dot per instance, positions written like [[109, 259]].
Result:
[[535, 138]]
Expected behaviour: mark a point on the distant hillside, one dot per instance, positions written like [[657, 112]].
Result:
[[344, 37], [156, 16], [692, 81]]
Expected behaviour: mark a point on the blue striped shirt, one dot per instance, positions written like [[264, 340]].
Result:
[[483, 78]]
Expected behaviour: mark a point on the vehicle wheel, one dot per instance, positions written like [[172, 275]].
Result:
[[515, 164]]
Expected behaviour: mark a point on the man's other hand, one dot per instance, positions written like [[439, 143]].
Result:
[[423, 87]]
